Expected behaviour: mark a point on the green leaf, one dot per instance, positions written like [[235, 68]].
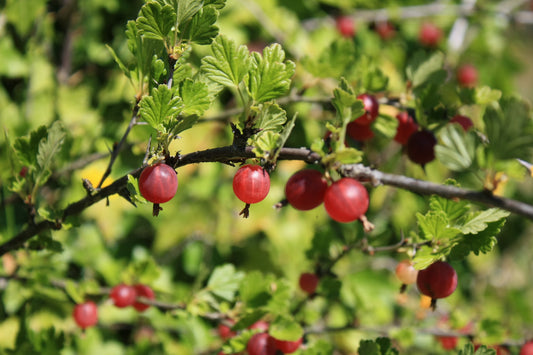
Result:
[[368, 347], [467, 350], [156, 20], [186, 9], [436, 226], [201, 29], [480, 220], [228, 65], [385, 346], [73, 290], [270, 117], [270, 74], [329, 287], [160, 108], [481, 242], [184, 123], [27, 147], [254, 289], [120, 63], [458, 148], [425, 256], [334, 62], [225, 281], [452, 209], [345, 156], [48, 149], [485, 95], [217, 4], [195, 97], [423, 70], [285, 328], [280, 302]]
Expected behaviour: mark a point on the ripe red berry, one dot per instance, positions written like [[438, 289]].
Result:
[[23, 172], [406, 127], [308, 282], [225, 331], [123, 295], [261, 344], [345, 26], [406, 273], [359, 132], [158, 183], [464, 121], [439, 280], [305, 190], [467, 75], [448, 342], [287, 347], [143, 291], [85, 314], [421, 147], [527, 348], [385, 30], [371, 106], [251, 183], [429, 35], [346, 200]]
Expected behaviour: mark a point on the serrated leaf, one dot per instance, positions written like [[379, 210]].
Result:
[[270, 75], [452, 209], [424, 257], [458, 148], [270, 117], [424, 70], [254, 289], [47, 151], [195, 97], [480, 220], [284, 328], [484, 95], [186, 9], [229, 65], [343, 97], [156, 20], [201, 29], [280, 302], [368, 347], [224, 282], [345, 156], [436, 226], [482, 242], [265, 144], [160, 108], [217, 4], [184, 123], [385, 346], [27, 147]]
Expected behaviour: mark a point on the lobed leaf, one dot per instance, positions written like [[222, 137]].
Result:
[[229, 65], [201, 29], [156, 20], [160, 108], [270, 74], [47, 151], [285, 328], [457, 148], [195, 97], [480, 220], [224, 282]]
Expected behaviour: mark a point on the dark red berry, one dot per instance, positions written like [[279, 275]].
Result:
[[429, 35], [448, 342], [406, 127], [305, 190], [464, 121], [251, 183], [85, 314], [467, 75], [371, 106], [261, 344], [23, 172], [287, 347], [143, 291], [527, 348], [308, 282], [346, 200], [421, 147], [225, 331], [345, 26], [123, 295], [158, 183], [385, 30], [359, 132], [439, 280]]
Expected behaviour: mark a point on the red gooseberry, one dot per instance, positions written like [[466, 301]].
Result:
[[385, 30], [421, 147], [346, 200], [251, 183], [439, 280], [305, 189], [406, 127], [527, 348], [261, 344], [359, 132], [429, 35], [225, 331], [467, 75], [85, 314], [143, 291], [371, 106], [464, 121], [345, 26], [158, 183], [287, 347], [308, 282], [123, 295]]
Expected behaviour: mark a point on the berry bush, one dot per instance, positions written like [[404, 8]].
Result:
[[381, 150]]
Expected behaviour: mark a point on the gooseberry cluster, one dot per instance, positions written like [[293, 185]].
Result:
[[86, 314]]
